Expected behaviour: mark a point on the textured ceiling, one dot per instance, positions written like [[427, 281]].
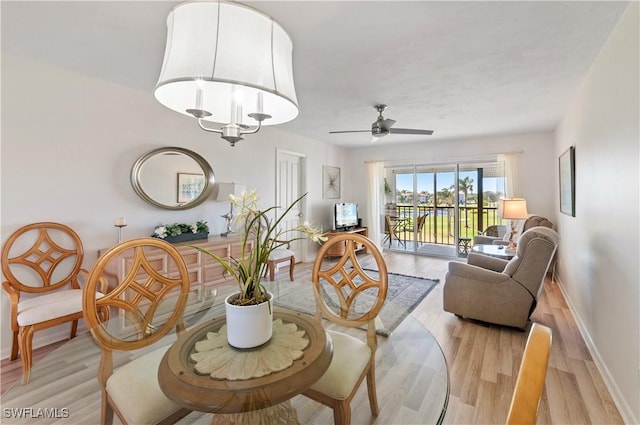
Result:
[[462, 69]]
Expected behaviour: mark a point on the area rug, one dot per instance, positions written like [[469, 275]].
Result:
[[404, 294]]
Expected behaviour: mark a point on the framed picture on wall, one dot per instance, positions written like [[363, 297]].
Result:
[[330, 182], [567, 165], [189, 186]]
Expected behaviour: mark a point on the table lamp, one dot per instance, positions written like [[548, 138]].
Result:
[[224, 190], [513, 209]]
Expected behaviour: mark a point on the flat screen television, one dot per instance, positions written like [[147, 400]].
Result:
[[345, 215]]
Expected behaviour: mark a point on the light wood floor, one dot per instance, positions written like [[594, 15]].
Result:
[[484, 359]]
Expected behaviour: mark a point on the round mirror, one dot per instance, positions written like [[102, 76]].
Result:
[[172, 178]]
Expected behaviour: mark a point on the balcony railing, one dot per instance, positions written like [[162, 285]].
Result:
[[439, 223]]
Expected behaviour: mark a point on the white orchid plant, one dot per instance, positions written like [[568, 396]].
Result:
[[268, 235]]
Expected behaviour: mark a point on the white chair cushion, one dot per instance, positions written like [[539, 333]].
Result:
[[41, 308], [135, 390], [280, 253], [350, 357]]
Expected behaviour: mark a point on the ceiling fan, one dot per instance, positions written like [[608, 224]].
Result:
[[383, 126]]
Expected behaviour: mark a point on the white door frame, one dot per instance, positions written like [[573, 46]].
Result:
[[301, 189]]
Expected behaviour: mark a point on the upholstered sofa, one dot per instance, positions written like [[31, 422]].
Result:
[[500, 239], [499, 291]]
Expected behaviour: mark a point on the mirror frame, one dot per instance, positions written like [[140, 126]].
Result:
[[206, 169]]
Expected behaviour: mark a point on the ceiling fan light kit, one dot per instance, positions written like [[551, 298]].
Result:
[[222, 60], [383, 126]]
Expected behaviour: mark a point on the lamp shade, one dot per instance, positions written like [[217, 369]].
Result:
[[226, 189], [513, 209], [229, 60]]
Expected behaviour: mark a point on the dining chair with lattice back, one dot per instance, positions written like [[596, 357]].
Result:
[[144, 307], [526, 397], [348, 296], [44, 262]]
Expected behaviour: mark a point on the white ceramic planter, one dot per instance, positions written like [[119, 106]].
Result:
[[250, 325]]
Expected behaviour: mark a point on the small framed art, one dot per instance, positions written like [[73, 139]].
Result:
[[189, 186], [567, 165], [330, 182]]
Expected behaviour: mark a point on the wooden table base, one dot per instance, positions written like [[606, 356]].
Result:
[[280, 414]]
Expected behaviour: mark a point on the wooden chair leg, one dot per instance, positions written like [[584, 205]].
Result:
[[342, 413], [74, 329], [292, 263], [272, 271], [14, 346], [371, 389], [104, 314], [106, 413], [26, 341]]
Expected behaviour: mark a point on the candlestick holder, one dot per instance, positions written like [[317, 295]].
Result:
[[120, 232]]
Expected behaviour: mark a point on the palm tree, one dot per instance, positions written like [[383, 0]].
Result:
[[465, 185], [446, 195]]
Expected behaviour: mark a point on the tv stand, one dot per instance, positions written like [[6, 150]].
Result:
[[338, 250]]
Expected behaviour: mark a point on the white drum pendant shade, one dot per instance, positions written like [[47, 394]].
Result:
[[220, 54]]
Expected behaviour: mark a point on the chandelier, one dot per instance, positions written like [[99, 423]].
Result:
[[229, 64]]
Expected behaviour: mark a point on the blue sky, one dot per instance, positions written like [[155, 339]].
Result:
[[445, 180]]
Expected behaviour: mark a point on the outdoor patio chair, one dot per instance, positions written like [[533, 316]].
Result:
[[419, 224], [392, 227]]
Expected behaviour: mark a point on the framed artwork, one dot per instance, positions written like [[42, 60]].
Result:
[[567, 164], [189, 186], [330, 182]]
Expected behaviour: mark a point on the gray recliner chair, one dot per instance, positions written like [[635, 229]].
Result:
[[487, 239], [499, 291]]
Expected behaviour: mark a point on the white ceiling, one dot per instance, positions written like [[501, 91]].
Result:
[[462, 69]]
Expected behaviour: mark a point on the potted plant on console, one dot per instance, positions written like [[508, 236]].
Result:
[[182, 232], [249, 311]]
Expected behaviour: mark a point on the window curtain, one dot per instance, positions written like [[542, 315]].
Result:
[[512, 189], [511, 174], [375, 172]]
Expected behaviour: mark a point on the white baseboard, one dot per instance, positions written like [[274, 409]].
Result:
[[623, 407]]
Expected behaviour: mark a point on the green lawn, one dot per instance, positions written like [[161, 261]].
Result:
[[439, 228]]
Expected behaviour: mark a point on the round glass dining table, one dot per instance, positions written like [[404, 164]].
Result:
[[412, 379]]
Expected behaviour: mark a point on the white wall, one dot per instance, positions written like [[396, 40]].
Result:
[[599, 266], [68, 145], [537, 163]]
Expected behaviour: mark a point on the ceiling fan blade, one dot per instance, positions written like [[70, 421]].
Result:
[[350, 131], [410, 131], [386, 124]]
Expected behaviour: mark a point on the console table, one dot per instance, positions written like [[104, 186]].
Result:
[[338, 249], [203, 270]]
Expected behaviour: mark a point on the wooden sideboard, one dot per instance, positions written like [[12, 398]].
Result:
[[338, 249], [203, 270]]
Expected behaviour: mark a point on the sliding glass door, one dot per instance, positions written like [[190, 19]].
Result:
[[437, 209]]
